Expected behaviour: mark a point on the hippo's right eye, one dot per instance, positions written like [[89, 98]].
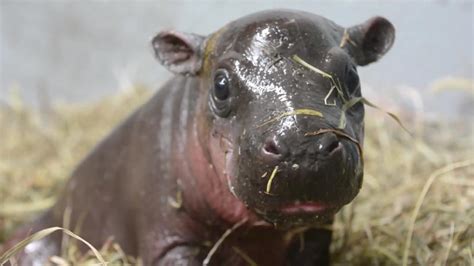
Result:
[[221, 85], [220, 99]]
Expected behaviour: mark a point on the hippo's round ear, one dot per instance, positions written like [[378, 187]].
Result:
[[369, 41], [179, 52]]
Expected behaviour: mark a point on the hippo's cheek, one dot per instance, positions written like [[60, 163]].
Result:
[[300, 190]]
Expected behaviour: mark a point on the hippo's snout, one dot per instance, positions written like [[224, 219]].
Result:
[[275, 149], [293, 176]]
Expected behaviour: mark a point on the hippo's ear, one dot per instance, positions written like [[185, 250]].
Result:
[[179, 52], [370, 40]]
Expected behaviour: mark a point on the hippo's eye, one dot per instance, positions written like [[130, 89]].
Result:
[[221, 85], [352, 81], [220, 99]]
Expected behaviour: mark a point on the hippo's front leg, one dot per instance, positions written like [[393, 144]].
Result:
[[310, 248], [185, 255]]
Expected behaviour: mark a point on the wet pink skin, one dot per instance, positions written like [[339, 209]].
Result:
[[307, 207]]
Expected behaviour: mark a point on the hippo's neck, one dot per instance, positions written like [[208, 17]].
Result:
[[204, 191]]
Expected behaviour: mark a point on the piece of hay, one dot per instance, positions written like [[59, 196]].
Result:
[[219, 242], [421, 198], [270, 180], [308, 112]]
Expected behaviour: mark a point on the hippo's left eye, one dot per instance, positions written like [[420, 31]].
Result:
[[352, 81]]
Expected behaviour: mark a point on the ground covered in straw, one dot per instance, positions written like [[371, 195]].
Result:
[[416, 206]]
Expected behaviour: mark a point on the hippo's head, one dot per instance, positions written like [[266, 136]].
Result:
[[276, 84]]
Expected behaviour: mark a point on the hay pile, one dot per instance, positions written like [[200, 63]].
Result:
[[416, 205]]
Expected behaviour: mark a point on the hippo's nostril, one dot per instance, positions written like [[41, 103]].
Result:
[[328, 143], [332, 146], [273, 150], [270, 147]]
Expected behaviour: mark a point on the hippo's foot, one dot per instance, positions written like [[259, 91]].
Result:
[[181, 255], [37, 252], [311, 249]]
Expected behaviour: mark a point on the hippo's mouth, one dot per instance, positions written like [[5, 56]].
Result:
[[300, 213], [316, 208], [303, 213]]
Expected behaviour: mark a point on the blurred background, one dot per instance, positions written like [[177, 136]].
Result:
[[77, 51]]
